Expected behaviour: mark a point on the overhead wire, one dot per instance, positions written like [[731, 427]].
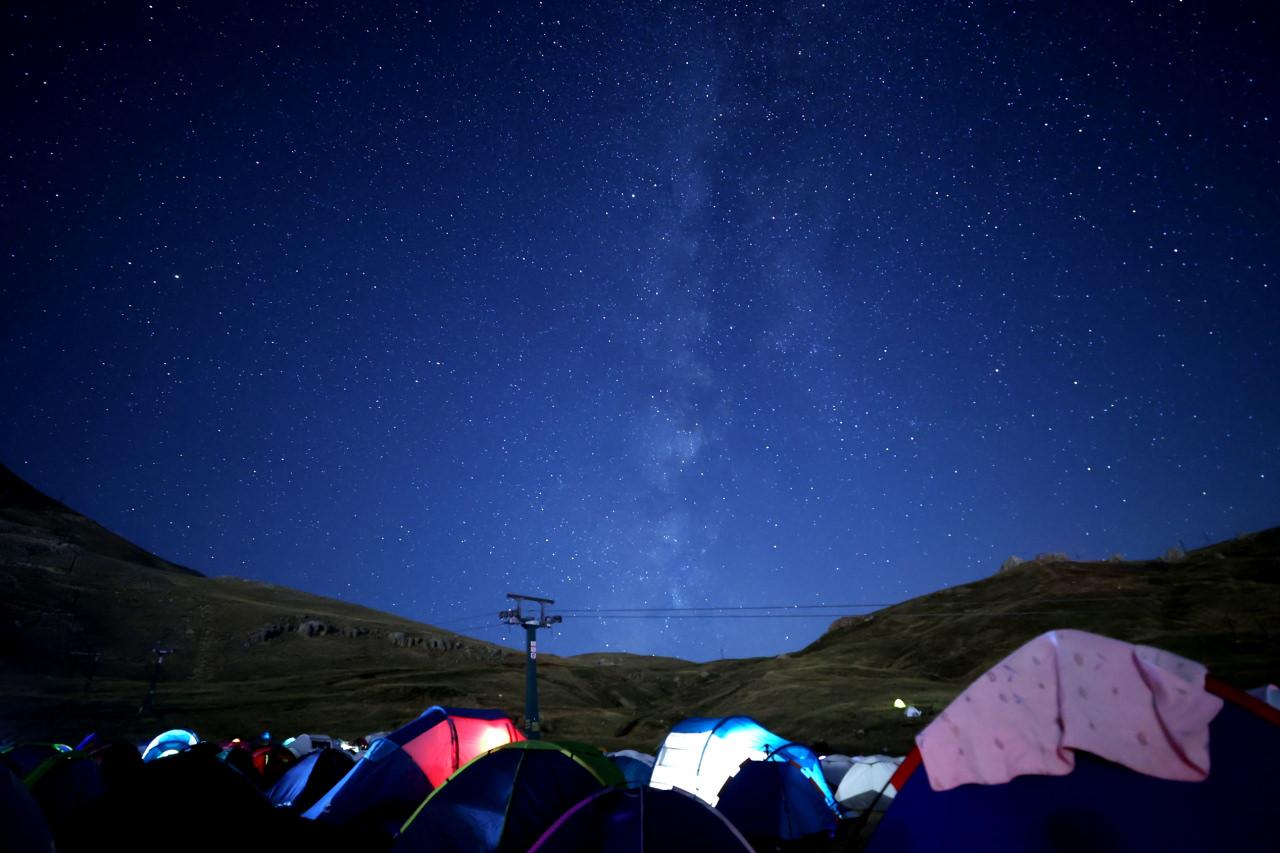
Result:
[[582, 611], [792, 611], [605, 616], [470, 618]]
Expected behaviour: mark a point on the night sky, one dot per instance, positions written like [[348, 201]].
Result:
[[643, 306]]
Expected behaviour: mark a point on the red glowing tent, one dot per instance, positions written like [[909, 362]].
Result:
[[400, 770], [444, 739]]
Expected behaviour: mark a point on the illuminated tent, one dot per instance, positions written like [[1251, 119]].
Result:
[[167, 743], [774, 801], [700, 754], [640, 820], [309, 779], [1100, 804], [506, 799], [399, 771]]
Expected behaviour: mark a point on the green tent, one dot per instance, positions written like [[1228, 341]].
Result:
[[505, 799]]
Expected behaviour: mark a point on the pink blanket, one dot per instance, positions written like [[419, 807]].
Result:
[[1141, 707]]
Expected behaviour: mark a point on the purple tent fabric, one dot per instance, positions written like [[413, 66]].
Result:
[[640, 820]]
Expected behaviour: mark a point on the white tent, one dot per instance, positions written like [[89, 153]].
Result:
[[305, 744], [866, 778], [834, 767], [700, 755]]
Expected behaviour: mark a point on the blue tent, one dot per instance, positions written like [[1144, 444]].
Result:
[[167, 743], [394, 776], [310, 779], [62, 781], [506, 799], [641, 820], [700, 754], [636, 767], [1104, 806], [773, 800], [377, 793], [23, 828]]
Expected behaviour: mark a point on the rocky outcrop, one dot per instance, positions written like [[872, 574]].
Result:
[[1011, 563], [432, 643], [264, 634], [1043, 559], [850, 621], [316, 628], [313, 628]]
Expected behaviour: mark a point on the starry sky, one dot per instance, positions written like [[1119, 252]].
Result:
[[643, 305]]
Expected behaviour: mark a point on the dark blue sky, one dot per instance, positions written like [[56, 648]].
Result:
[[643, 306]]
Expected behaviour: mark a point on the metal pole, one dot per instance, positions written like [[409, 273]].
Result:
[[531, 623], [149, 701], [533, 728], [148, 704]]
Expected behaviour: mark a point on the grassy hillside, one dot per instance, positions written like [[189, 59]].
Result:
[[1216, 606], [81, 610]]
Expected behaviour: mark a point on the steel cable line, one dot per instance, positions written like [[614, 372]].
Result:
[[586, 611], [935, 613], [616, 612], [770, 611]]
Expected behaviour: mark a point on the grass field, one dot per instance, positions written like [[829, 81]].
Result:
[[81, 611]]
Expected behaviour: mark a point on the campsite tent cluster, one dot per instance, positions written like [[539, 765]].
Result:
[[1074, 739]]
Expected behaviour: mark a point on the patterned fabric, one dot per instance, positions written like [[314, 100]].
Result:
[[1066, 690]]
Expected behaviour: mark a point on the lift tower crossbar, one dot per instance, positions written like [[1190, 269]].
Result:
[[517, 615]]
